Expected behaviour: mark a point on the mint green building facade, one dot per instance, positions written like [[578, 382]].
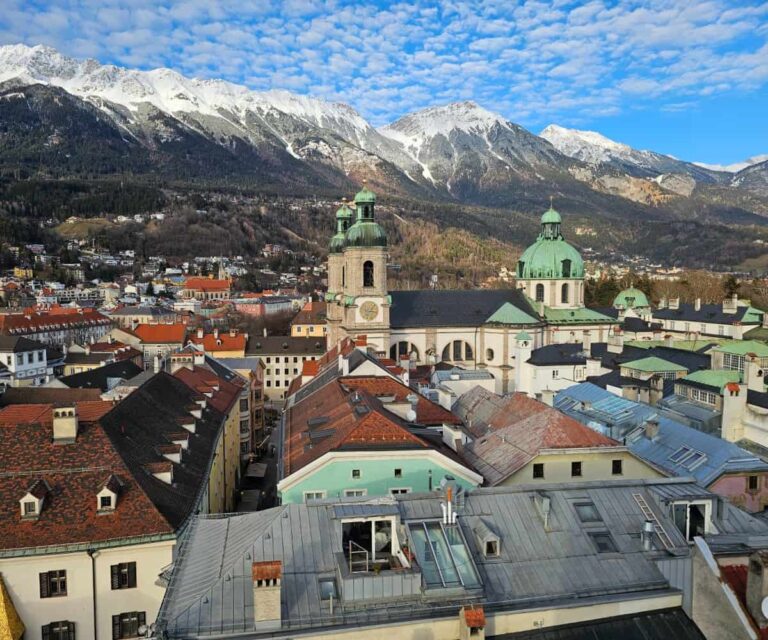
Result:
[[341, 474]]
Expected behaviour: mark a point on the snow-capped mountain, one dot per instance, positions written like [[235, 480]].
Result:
[[736, 166], [68, 116], [595, 149]]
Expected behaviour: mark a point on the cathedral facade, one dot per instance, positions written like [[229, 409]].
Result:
[[489, 329]]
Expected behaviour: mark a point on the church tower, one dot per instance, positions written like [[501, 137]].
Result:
[[551, 271], [364, 301], [336, 273]]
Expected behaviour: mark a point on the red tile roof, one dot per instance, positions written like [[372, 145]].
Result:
[[33, 321], [75, 473], [206, 284], [225, 342], [271, 570], [161, 333], [736, 577], [18, 414], [310, 367], [511, 431], [349, 423], [427, 412], [311, 313]]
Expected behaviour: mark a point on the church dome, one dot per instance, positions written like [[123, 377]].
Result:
[[365, 233], [365, 196], [343, 220], [337, 244], [550, 257], [630, 299]]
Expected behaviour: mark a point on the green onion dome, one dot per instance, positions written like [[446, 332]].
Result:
[[365, 233], [631, 298], [550, 257]]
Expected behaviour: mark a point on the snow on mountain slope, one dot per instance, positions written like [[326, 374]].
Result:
[[594, 148], [736, 166]]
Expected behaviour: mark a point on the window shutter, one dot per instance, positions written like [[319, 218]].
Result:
[[131, 574], [71, 630], [115, 627], [44, 586], [46, 630], [115, 576]]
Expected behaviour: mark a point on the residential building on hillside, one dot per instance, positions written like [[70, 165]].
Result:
[[23, 362], [92, 499], [310, 322], [206, 289], [469, 328], [56, 326], [494, 561], [518, 440], [283, 357], [670, 446]]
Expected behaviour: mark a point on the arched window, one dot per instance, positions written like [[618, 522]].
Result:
[[367, 273], [457, 351], [520, 267], [403, 349], [539, 292], [366, 211], [489, 354], [566, 268], [564, 294]]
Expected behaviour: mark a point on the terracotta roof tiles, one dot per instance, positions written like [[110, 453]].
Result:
[[161, 333]]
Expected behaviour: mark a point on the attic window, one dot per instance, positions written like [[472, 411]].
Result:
[[587, 512], [105, 502], [29, 508], [491, 548], [603, 542]]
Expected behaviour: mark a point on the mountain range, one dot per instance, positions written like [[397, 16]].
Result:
[[62, 117]]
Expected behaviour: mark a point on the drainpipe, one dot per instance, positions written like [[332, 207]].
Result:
[[93, 554]]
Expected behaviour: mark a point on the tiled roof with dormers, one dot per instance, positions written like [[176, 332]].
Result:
[[161, 333], [223, 394], [74, 474], [56, 319], [224, 341], [206, 284], [150, 417]]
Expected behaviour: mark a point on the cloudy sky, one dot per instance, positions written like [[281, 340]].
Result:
[[686, 77]]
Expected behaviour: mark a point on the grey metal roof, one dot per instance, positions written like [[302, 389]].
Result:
[[716, 457], [211, 587], [443, 375]]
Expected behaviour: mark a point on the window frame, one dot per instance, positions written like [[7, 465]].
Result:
[[123, 576], [620, 463], [577, 469], [538, 471]]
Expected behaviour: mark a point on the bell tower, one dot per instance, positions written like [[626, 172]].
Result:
[[365, 299], [337, 274]]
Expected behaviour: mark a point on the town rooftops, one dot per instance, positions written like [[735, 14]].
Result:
[[714, 379], [565, 353], [676, 448], [743, 347], [314, 312], [543, 562], [142, 311], [277, 345], [709, 313], [54, 319], [161, 333], [102, 378], [19, 344], [517, 429], [71, 475], [220, 341], [46, 395]]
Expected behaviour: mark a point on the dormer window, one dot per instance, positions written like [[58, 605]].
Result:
[[29, 508], [106, 498], [31, 504]]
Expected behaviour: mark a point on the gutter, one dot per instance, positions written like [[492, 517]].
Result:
[[92, 554]]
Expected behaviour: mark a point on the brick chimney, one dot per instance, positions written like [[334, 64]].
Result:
[[267, 581], [472, 622], [757, 586]]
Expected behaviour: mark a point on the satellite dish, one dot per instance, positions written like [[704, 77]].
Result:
[[764, 607]]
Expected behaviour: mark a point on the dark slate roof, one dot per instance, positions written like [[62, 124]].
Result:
[[46, 395], [86, 358], [19, 344], [566, 353], [99, 377], [150, 417], [633, 324], [651, 625], [277, 345], [452, 308], [712, 313]]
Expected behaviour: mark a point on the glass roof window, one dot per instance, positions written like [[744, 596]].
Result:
[[443, 556]]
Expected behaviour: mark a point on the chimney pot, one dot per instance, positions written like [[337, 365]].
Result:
[[652, 429]]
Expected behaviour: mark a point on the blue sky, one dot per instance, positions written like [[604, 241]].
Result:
[[685, 77]]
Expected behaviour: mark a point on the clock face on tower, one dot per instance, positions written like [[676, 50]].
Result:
[[369, 310]]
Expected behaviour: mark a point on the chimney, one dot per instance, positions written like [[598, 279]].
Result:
[[454, 437], [697, 304], [548, 397], [663, 302], [730, 305], [646, 535], [472, 622], [757, 587], [586, 342], [232, 332], [616, 341], [669, 340], [200, 333], [753, 373], [157, 363], [267, 580], [652, 428], [216, 333], [87, 349], [674, 303], [265, 332], [65, 424]]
